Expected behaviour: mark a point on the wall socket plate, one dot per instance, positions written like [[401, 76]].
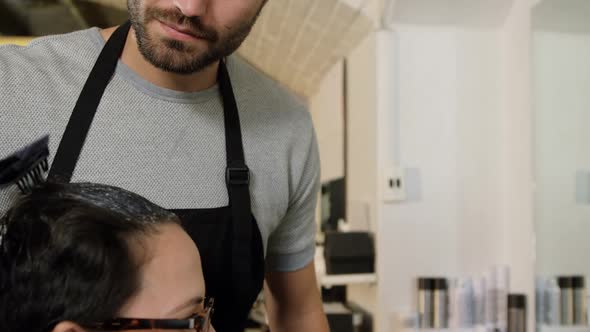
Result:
[[393, 186], [583, 187]]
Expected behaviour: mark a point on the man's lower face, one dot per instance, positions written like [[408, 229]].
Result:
[[179, 44]]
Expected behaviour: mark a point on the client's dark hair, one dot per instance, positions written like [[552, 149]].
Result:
[[66, 254]]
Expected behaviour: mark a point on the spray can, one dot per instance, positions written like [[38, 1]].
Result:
[[516, 313], [540, 284], [498, 284], [425, 303], [566, 292], [552, 303], [441, 302], [479, 299], [579, 298]]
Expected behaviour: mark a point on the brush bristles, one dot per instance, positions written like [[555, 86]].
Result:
[[34, 177]]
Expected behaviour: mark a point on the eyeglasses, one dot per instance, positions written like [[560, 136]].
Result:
[[199, 322]]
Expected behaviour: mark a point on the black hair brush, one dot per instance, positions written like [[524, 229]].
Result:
[[27, 167]]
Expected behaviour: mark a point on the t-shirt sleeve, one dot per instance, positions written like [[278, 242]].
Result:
[[291, 245]]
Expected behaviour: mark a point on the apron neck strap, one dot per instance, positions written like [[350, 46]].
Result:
[[76, 131], [80, 121]]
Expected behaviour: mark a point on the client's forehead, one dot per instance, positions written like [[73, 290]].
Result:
[[171, 276]]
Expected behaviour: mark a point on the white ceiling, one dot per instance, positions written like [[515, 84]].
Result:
[[569, 16], [477, 13], [296, 42]]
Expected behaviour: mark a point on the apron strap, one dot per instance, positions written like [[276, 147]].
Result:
[[80, 121], [237, 173], [238, 183]]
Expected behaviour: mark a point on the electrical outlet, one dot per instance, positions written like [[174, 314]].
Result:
[[393, 184], [583, 187]]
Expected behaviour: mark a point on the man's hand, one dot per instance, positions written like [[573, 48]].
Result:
[[293, 301]]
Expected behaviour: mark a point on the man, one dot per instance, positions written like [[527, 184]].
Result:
[[89, 257], [174, 120]]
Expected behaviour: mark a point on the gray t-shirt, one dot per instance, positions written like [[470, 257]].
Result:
[[166, 145]]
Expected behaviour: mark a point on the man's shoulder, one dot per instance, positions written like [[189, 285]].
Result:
[[264, 93], [58, 44], [44, 54]]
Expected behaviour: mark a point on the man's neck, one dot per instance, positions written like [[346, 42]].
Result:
[[131, 56]]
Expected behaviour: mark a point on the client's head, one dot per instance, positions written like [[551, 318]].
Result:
[[79, 257]]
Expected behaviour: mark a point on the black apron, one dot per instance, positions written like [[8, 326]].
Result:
[[228, 238]]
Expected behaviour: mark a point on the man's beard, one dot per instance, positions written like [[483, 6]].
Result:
[[179, 57]]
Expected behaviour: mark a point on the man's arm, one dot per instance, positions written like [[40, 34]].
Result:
[[293, 301]]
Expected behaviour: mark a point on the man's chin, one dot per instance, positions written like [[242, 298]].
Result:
[[180, 66], [178, 57]]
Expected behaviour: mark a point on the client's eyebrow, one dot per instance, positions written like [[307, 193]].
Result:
[[188, 304]]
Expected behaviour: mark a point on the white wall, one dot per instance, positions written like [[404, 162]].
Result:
[[449, 123], [562, 111], [362, 129], [465, 122], [326, 108], [327, 111], [516, 151], [362, 156]]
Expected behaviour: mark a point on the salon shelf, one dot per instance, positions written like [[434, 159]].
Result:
[[472, 329], [543, 328], [329, 280], [547, 328]]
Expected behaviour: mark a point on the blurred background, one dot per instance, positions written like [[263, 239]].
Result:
[[45, 17], [455, 152]]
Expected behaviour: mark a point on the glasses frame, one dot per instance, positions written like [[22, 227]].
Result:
[[200, 322]]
